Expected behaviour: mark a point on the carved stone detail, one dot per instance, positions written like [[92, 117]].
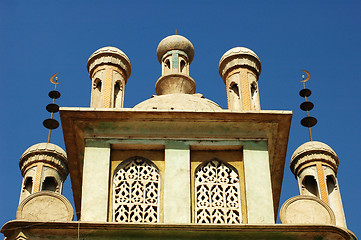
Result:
[[136, 192], [217, 194]]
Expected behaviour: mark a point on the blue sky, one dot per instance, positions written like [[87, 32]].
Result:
[[40, 38]]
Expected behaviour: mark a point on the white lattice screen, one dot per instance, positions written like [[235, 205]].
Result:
[[136, 190], [217, 194]]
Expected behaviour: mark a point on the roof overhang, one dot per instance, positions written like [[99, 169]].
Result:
[[80, 124], [96, 230]]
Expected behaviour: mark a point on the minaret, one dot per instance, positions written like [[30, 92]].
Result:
[[175, 53], [240, 68], [44, 168], [109, 69], [314, 165]]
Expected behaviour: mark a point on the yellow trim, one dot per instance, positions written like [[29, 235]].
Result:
[[321, 180]]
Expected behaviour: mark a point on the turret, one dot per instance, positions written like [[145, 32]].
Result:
[[44, 168], [240, 68], [314, 165], [175, 53], [109, 69]]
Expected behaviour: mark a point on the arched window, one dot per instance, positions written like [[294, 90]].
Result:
[[118, 94], [49, 184], [331, 184], [182, 65], [217, 193], [96, 93], [136, 191], [167, 63], [309, 186], [28, 185]]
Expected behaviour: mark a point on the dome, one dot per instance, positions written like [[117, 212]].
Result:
[[57, 155], [45, 148], [175, 42], [313, 151], [190, 102], [239, 56], [102, 56], [238, 51]]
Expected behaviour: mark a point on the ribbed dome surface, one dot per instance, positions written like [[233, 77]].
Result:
[[45, 148], [190, 102]]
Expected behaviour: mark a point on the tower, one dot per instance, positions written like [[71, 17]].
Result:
[[109, 69], [240, 68], [44, 168], [175, 53], [314, 165]]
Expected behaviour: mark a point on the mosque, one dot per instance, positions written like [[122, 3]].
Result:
[[176, 166]]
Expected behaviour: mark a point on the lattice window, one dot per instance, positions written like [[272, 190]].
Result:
[[217, 193], [136, 191]]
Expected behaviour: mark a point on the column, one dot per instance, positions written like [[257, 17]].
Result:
[[177, 193], [95, 187], [258, 183]]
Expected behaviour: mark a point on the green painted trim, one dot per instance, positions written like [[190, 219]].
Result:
[[256, 145], [97, 143], [250, 144], [174, 51]]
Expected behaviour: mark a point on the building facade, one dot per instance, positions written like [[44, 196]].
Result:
[[177, 166]]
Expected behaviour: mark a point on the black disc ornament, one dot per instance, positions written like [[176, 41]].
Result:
[[308, 121], [305, 92], [51, 123], [306, 106], [52, 107], [54, 94]]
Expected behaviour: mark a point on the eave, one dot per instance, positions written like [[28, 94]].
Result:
[[80, 124]]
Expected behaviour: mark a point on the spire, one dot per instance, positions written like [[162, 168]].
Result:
[[307, 106], [51, 123], [175, 53]]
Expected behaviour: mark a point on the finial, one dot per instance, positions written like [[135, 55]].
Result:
[[51, 123], [176, 32], [306, 105]]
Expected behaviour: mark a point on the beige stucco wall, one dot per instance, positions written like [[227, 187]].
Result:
[[177, 183], [258, 183], [94, 202]]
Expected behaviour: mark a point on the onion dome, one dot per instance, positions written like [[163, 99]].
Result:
[[313, 151], [175, 42], [46, 153], [189, 102], [110, 56], [240, 56]]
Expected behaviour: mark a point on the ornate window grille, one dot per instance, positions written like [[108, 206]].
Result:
[[136, 191], [217, 193]]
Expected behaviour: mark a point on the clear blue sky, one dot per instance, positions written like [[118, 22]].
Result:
[[40, 38]]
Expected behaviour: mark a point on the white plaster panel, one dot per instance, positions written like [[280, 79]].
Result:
[[177, 205], [258, 184], [94, 204]]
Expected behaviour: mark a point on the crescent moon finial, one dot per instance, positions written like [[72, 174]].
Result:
[[308, 76], [52, 79]]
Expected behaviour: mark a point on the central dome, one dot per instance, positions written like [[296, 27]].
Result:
[[190, 102]]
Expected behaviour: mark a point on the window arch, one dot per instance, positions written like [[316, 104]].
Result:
[[136, 191], [50, 184], [217, 193]]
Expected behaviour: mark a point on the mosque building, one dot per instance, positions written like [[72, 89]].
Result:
[[176, 166]]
